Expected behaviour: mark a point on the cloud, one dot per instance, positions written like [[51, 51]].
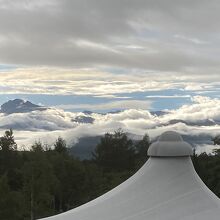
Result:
[[98, 83], [118, 105], [109, 49], [46, 126], [202, 109], [50, 120], [208, 148], [168, 96], [148, 35], [193, 40]]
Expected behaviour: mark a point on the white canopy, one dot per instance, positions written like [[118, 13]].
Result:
[[165, 188]]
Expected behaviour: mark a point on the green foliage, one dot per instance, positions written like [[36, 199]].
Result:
[[60, 145], [141, 149], [216, 152], [39, 183], [37, 147], [216, 140], [43, 182], [7, 141], [208, 168], [8, 154], [11, 202], [115, 152]]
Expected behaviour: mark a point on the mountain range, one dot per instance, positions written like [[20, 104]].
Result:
[[20, 106], [84, 128]]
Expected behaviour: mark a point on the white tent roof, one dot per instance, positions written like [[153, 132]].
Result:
[[165, 188]]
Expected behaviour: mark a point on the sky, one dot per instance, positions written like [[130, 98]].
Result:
[[104, 56]]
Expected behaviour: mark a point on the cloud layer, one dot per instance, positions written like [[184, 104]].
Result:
[[172, 36], [111, 50], [200, 118], [97, 83]]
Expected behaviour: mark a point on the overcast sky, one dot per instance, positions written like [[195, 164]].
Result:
[[104, 55]]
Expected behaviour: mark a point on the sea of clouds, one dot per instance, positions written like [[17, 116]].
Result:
[[200, 118]]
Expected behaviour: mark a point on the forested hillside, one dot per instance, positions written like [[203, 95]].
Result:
[[45, 181]]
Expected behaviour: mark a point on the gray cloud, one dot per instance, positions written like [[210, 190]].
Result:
[[128, 34]]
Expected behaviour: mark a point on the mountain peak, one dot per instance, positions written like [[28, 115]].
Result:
[[19, 106]]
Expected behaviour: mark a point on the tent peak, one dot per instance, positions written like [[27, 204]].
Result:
[[170, 144]]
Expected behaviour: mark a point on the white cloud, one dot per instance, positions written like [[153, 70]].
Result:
[[149, 45], [206, 148], [168, 96], [51, 119], [119, 105], [95, 82], [202, 109], [193, 87], [48, 125]]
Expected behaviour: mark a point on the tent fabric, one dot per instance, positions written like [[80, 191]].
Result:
[[165, 188], [170, 144]]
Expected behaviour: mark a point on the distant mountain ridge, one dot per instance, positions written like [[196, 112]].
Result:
[[55, 120], [20, 106], [85, 146]]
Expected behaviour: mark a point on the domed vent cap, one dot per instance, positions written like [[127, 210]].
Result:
[[170, 144]]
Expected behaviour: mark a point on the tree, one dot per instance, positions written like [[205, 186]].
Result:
[[8, 155], [216, 152], [37, 147], [39, 183], [208, 168], [11, 202], [7, 141], [115, 152], [60, 145], [142, 148], [216, 140]]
